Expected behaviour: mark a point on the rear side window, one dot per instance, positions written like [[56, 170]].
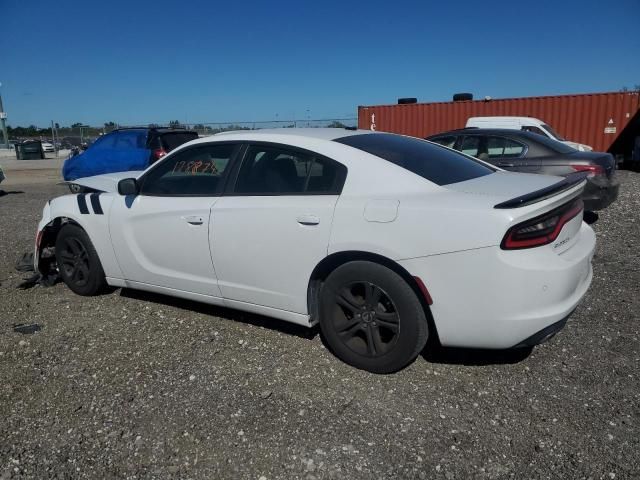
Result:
[[433, 162], [500, 147], [175, 139], [273, 170], [471, 146]]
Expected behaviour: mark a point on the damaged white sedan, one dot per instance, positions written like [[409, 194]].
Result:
[[383, 240]]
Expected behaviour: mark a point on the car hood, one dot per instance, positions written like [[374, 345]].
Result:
[[107, 182]]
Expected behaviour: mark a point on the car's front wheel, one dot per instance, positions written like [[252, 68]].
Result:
[[78, 262], [371, 318]]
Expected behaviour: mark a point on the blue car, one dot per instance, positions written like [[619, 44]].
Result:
[[124, 150]]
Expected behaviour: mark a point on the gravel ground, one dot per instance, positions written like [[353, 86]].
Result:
[[131, 385]]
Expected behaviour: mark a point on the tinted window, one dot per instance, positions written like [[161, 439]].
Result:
[[175, 139], [272, 170], [436, 164], [552, 144], [130, 139], [196, 171], [471, 146], [532, 129], [448, 141], [500, 147]]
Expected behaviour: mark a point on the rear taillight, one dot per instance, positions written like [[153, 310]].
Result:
[[592, 169], [159, 153], [543, 229]]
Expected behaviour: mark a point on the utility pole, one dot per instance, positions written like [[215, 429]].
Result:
[[53, 138], [3, 125]]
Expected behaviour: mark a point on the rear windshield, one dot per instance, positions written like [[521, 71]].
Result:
[[554, 145], [175, 139], [433, 162]]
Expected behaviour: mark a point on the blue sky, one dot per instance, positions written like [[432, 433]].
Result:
[[144, 61]]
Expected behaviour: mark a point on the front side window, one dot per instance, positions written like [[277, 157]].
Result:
[[274, 170], [195, 171], [432, 162]]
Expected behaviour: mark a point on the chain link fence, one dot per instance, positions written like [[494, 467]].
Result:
[[211, 128], [67, 137]]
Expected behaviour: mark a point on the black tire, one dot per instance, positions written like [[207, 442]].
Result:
[[78, 262], [371, 318]]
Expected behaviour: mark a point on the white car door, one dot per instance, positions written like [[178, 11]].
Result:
[[161, 235], [273, 228]]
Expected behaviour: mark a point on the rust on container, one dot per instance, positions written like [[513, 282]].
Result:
[[606, 121]]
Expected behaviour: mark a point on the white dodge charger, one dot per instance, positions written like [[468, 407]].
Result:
[[384, 240]]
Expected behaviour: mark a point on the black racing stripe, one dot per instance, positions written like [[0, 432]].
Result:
[[95, 204], [82, 204]]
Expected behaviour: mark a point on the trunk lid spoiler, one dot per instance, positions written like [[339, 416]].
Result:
[[566, 183]]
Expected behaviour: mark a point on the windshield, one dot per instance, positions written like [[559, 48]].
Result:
[[555, 134], [437, 164]]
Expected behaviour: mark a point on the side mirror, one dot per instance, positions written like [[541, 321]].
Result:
[[128, 186]]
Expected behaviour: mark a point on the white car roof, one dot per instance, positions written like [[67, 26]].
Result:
[[314, 133], [504, 118]]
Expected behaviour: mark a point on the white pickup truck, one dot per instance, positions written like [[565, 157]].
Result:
[[524, 123]]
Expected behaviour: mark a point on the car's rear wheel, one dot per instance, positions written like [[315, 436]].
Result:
[[371, 318], [78, 262]]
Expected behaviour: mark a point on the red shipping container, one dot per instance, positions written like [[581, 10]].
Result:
[[605, 121]]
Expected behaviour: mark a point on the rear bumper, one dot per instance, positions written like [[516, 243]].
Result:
[[600, 196], [543, 335], [492, 298]]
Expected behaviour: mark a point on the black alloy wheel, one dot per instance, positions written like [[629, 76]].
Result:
[[366, 319], [78, 262], [74, 261], [371, 317]]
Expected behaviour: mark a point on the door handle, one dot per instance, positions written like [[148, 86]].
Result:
[[506, 164], [308, 220], [193, 219]]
